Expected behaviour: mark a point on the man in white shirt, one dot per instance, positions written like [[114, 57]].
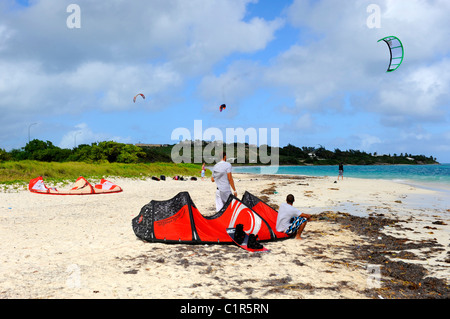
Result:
[[221, 174], [290, 220]]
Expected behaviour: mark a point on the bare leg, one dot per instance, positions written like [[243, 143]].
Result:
[[300, 230]]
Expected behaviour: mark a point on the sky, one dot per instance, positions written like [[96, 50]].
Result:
[[314, 70]]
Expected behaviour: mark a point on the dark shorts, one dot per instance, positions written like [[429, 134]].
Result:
[[296, 223]]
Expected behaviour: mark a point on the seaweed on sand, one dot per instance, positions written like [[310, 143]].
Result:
[[399, 278]]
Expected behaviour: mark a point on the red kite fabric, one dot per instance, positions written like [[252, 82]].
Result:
[[134, 99], [81, 187], [265, 211], [177, 220]]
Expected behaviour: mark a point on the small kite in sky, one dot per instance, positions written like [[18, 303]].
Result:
[[222, 107], [134, 99], [396, 51]]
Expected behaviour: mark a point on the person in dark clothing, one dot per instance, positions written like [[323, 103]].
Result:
[[341, 171]]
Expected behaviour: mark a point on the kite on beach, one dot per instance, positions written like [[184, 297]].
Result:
[[178, 220], [81, 187], [396, 51], [134, 99]]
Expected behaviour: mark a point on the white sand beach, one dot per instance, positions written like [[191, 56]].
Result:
[[84, 246]]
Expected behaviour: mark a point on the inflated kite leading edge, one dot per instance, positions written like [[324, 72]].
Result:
[[81, 187], [396, 51]]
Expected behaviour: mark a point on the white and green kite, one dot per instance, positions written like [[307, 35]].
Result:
[[396, 51]]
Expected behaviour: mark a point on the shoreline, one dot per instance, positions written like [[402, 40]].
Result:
[[84, 246], [444, 185], [433, 192]]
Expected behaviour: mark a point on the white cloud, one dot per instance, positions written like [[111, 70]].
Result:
[[239, 81], [82, 134], [120, 50], [5, 35], [341, 54], [368, 141], [422, 95], [332, 67], [112, 87], [304, 123], [192, 35]]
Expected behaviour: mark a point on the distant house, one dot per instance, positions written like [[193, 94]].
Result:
[[150, 145]]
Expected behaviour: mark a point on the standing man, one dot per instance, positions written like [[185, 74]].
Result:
[[341, 171], [221, 174]]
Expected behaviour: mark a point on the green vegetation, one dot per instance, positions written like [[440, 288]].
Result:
[[23, 171], [293, 155], [102, 159], [96, 152]]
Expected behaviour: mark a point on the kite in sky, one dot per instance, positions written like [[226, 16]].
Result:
[[134, 99], [396, 51], [222, 107]]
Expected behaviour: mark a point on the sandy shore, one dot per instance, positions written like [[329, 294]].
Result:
[[84, 246]]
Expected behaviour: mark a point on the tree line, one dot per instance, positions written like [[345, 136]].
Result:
[[110, 151], [294, 155], [107, 151]]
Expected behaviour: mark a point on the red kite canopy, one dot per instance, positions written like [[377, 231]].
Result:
[[81, 187], [222, 107], [177, 220], [134, 99]]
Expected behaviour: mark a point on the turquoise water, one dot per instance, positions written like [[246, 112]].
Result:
[[433, 174], [432, 177]]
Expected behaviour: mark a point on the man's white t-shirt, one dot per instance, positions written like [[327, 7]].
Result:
[[285, 214], [220, 171]]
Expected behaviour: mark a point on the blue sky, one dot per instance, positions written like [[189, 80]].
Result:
[[312, 69]]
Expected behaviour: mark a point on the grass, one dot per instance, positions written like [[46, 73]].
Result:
[[22, 171]]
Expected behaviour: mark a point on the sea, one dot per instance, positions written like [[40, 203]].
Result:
[[431, 177]]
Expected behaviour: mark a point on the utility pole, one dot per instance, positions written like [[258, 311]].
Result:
[[29, 126]]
